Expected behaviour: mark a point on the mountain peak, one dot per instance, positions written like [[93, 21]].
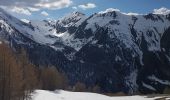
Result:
[[73, 15], [78, 13], [72, 18]]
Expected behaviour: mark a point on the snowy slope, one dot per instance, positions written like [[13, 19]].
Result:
[[47, 32], [31, 30], [65, 95], [44, 31], [119, 25]]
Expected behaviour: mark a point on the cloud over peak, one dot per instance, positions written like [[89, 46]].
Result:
[[27, 6], [109, 10], [161, 10], [74, 7], [117, 10], [87, 6], [44, 13], [53, 4], [50, 4]]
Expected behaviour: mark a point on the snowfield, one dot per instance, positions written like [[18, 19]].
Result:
[[65, 95]]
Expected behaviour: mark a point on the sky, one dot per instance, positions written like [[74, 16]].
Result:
[[55, 9]]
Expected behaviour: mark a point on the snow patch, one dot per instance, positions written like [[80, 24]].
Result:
[[25, 20], [154, 78], [57, 48], [117, 58], [65, 95], [148, 86]]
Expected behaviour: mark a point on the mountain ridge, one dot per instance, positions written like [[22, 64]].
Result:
[[117, 51]]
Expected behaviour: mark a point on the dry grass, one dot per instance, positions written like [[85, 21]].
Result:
[[116, 94]]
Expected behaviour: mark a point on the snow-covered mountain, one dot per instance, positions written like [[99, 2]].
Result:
[[117, 51]]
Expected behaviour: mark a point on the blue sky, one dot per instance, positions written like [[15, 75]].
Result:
[[91, 6]]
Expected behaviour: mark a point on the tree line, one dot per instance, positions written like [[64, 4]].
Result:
[[19, 78]]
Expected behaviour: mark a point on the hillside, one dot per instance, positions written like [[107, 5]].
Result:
[[117, 51]]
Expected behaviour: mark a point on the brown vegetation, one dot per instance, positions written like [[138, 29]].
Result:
[[79, 87], [167, 90], [17, 75], [52, 79]]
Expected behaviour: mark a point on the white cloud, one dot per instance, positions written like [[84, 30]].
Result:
[[35, 5], [162, 10], [117, 10], [54, 4], [21, 11], [87, 6], [44, 13], [75, 8], [49, 19], [25, 20], [109, 10]]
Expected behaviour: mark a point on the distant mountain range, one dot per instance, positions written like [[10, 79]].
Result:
[[117, 51]]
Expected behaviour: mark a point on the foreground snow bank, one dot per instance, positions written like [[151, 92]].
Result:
[[65, 95]]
